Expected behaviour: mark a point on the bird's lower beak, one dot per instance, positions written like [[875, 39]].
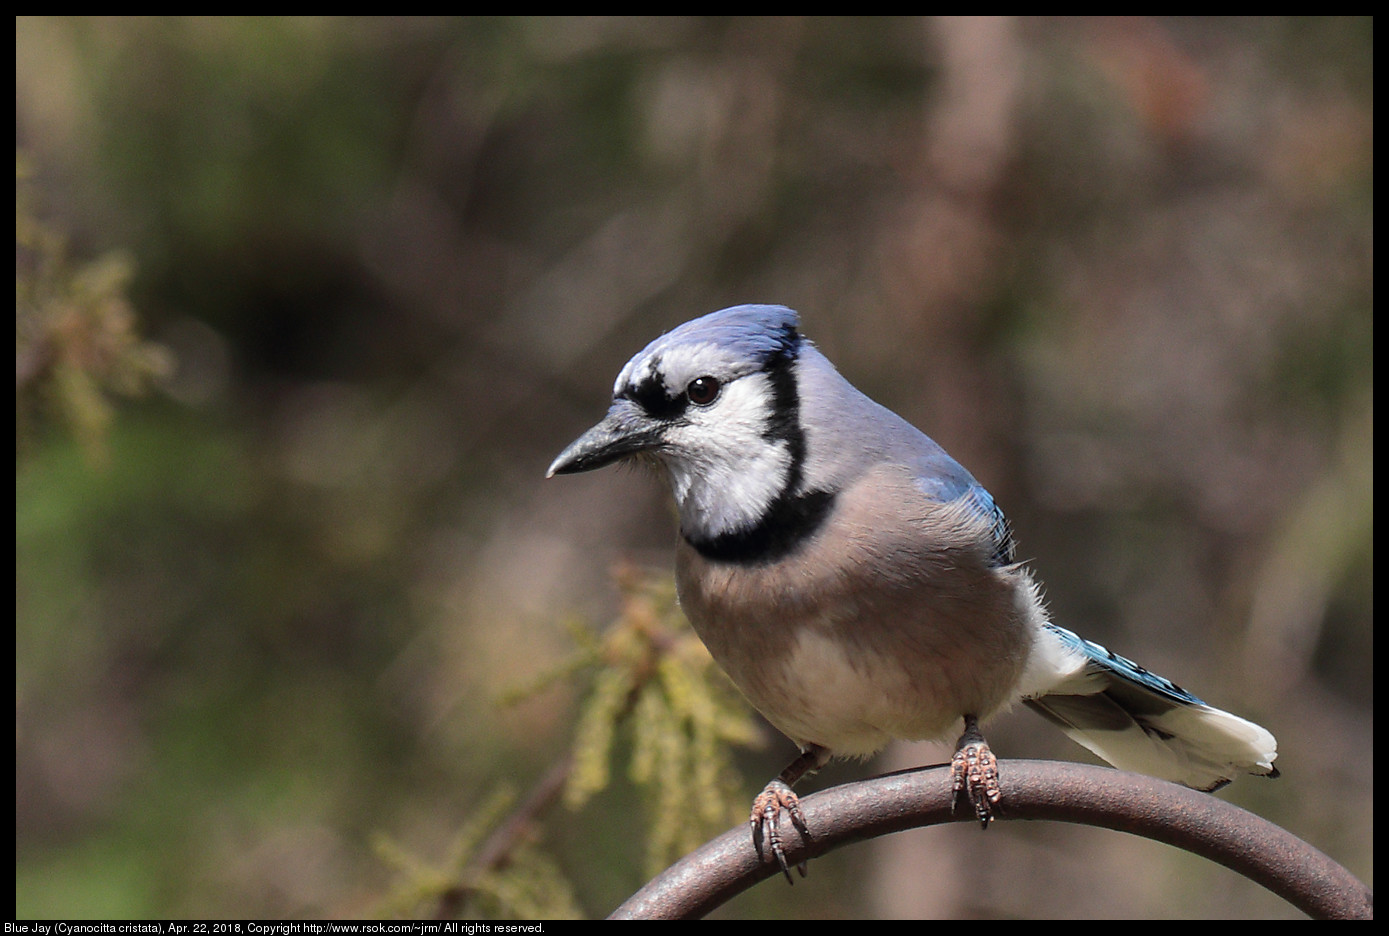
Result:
[[622, 432]]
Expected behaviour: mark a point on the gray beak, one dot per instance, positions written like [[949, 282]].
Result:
[[624, 431]]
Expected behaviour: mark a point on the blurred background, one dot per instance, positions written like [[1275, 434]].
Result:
[[371, 275]]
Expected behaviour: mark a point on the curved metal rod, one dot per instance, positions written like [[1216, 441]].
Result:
[[1098, 796]]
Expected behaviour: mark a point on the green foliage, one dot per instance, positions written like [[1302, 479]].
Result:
[[75, 333], [658, 679], [524, 884], [653, 680]]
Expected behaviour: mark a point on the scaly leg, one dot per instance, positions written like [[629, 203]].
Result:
[[776, 796], [974, 771]]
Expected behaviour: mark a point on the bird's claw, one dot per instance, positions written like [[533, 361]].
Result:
[[766, 816], [974, 772]]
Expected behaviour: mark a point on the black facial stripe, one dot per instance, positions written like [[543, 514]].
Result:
[[788, 523], [784, 425], [652, 397], [793, 516]]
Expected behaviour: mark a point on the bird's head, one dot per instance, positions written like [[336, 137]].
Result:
[[714, 402]]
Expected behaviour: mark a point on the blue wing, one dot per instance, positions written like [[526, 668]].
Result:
[[954, 486]]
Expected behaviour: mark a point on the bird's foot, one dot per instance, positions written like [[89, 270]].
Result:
[[766, 818], [974, 772]]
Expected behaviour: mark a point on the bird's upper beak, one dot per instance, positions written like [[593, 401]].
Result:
[[624, 431]]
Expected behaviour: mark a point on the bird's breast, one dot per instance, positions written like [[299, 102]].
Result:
[[890, 622]]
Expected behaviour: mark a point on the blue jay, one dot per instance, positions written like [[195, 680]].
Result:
[[859, 585]]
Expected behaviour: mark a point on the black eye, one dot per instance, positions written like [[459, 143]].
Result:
[[703, 390]]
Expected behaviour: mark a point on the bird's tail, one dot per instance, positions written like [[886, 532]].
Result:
[[1139, 721]]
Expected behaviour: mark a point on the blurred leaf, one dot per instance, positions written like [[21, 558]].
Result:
[[658, 678], [76, 339]]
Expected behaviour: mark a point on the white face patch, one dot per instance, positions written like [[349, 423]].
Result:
[[724, 472]]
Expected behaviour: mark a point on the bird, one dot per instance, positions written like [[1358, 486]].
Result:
[[858, 585]]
